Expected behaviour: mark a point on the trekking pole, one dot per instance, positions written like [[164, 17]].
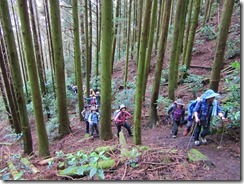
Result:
[[226, 114], [195, 124]]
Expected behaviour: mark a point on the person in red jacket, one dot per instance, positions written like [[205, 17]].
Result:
[[120, 120]]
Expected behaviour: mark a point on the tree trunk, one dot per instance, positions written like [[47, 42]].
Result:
[[174, 51], [63, 119], [106, 60], [140, 71], [127, 46], [43, 147], [14, 121], [153, 117], [158, 25], [15, 70], [37, 48], [221, 44], [187, 31], [139, 28], [87, 50], [187, 59], [77, 58], [149, 48], [115, 33]]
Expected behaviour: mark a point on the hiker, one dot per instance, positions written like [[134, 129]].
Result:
[[93, 121], [85, 114], [120, 119], [205, 108], [98, 98], [177, 112], [92, 93], [190, 116]]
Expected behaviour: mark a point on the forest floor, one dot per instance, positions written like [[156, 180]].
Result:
[[225, 162]]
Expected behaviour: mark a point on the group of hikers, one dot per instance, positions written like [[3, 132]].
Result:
[[199, 111]]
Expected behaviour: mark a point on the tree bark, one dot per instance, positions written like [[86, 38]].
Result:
[[221, 44], [153, 117], [106, 60], [15, 70], [140, 71], [63, 119]]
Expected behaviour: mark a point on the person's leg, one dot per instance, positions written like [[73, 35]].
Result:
[[128, 128], [87, 127], [96, 128], [175, 128], [118, 129], [188, 128], [204, 133], [196, 134]]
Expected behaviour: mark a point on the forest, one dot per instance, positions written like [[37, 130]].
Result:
[[69, 69]]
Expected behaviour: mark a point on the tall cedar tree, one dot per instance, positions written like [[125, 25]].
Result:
[[43, 147], [221, 43], [17, 79], [63, 119], [127, 45], [174, 51], [190, 41], [88, 61], [150, 45], [14, 118], [37, 52], [140, 71], [180, 40], [77, 57], [153, 117], [106, 59]]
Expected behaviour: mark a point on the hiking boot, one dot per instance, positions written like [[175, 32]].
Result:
[[174, 136], [203, 140], [197, 143], [186, 132]]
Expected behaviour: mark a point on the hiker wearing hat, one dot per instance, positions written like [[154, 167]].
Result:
[[177, 112], [205, 108], [85, 114], [93, 121], [120, 119]]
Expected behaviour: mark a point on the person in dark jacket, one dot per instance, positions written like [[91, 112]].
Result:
[[177, 113], [205, 108]]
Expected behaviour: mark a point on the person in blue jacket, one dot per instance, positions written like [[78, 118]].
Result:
[[205, 108]]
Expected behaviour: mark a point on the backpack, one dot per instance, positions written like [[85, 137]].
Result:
[[115, 113], [177, 113]]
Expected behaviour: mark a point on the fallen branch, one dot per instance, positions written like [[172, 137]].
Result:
[[124, 172]]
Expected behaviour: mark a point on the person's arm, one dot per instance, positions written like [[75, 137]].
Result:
[[127, 115], [82, 113], [220, 114], [116, 119], [195, 111], [183, 115]]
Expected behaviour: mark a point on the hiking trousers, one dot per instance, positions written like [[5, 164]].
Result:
[[124, 125], [87, 127], [94, 126], [176, 124], [205, 130]]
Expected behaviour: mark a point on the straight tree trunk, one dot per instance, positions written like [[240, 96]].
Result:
[[98, 41], [221, 44], [139, 27], [127, 46], [63, 119], [115, 33], [15, 70], [158, 25], [149, 48], [196, 10], [77, 58], [13, 113], [140, 71], [174, 51], [43, 146], [153, 117], [180, 40], [106, 60], [37, 48], [87, 50], [187, 31]]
